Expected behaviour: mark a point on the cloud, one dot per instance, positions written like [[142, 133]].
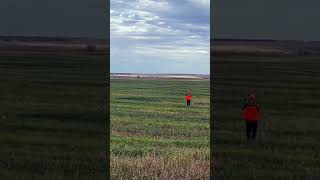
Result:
[[154, 6], [204, 4], [149, 32]]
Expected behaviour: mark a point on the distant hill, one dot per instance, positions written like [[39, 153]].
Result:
[[37, 43], [264, 47]]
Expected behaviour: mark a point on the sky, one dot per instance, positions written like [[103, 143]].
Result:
[[266, 19], [160, 36], [76, 18]]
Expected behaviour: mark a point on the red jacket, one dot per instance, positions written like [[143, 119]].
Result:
[[251, 113], [188, 97]]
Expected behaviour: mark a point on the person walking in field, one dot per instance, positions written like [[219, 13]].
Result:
[[188, 97], [251, 115]]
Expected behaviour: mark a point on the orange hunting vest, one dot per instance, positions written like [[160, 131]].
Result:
[[251, 113]]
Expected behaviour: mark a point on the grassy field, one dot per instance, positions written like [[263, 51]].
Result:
[[154, 135], [53, 115], [288, 144]]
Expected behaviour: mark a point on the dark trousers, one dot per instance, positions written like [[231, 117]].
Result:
[[251, 129], [188, 102]]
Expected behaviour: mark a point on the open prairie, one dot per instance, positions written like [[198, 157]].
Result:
[[288, 141], [53, 114], [154, 134]]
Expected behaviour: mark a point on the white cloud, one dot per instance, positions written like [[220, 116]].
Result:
[[205, 4], [146, 31], [153, 5]]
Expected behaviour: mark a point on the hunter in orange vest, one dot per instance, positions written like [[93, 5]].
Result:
[[188, 97], [251, 115]]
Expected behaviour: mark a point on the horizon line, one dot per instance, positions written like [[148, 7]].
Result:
[[161, 73], [107, 38]]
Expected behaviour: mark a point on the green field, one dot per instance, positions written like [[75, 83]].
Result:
[[288, 144], [154, 134], [53, 115]]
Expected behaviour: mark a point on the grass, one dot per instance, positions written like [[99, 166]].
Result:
[[154, 135], [288, 134], [53, 115]]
